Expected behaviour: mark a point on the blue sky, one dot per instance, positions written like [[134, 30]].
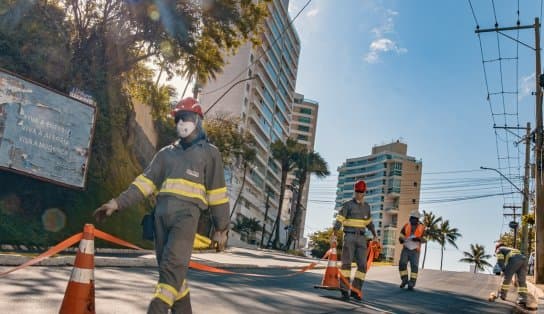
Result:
[[412, 70]]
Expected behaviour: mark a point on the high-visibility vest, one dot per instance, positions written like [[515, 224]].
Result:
[[418, 233]]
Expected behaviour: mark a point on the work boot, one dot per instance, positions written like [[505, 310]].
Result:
[[522, 302], [403, 284], [411, 285], [502, 295], [345, 295], [355, 296]]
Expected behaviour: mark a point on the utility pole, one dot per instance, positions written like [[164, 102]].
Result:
[[266, 207], [525, 204], [513, 224], [539, 208], [539, 204]]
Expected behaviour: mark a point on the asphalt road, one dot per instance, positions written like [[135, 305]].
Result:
[[128, 290]]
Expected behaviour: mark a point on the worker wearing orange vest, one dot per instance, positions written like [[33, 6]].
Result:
[[355, 218], [411, 237], [188, 178]]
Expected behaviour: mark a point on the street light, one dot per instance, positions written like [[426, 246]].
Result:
[[228, 90], [513, 224], [505, 177]]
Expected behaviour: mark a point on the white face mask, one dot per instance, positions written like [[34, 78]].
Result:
[[185, 128]]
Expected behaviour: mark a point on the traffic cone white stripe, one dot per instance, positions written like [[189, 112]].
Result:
[[86, 246], [333, 250], [81, 275]]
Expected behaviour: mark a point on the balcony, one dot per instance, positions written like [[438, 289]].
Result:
[[392, 210], [390, 227]]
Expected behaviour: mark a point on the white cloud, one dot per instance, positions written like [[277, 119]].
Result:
[[527, 85], [382, 45], [312, 12]]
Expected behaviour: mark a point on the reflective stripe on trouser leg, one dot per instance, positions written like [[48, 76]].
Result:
[[175, 227], [165, 293], [403, 265], [359, 279], [413, 257], [348, 253], [183, 300]]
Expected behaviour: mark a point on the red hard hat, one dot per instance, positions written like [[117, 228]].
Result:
[[188, 104], [360, 186]]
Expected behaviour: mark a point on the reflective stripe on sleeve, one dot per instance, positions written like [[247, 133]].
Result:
[[340, 218], [217, 196], [146, 186]]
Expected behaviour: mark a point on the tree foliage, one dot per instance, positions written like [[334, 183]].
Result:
[[431, 221], [106, 47], [476, 256], [446, 235], [320, 242]]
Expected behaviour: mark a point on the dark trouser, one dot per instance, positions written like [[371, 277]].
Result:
[[354, 248], [411, 256], [175, 227], [517, 264]]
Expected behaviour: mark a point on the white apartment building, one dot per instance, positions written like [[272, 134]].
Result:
[[265, 105], [393, 190]]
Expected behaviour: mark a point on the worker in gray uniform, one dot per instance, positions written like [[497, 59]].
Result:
[[188, 177], [411, 236], [355, 218], [511, 262]]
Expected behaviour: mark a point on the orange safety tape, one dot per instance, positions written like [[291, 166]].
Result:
[[54, 250], [108, 237], [210, 269]]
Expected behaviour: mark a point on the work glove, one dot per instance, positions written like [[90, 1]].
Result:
[[106, 210], [220, 237], [401, 240]]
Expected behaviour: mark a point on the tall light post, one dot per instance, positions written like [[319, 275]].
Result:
[[227, 91], [525, 194]]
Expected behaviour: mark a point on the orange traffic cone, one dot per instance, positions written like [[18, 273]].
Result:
[[79, 295], [331, 279]]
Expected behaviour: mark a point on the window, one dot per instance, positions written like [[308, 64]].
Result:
[[413, 201], [247, 87], [415, 184], [303, 128], [306, 110], [305, 119], [302, 137]]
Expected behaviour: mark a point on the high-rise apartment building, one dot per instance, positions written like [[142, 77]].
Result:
[[264, 105], [303, 129], [393, 189]]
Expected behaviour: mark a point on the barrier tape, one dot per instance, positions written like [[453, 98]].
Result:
[[54, 250], [110, 238]]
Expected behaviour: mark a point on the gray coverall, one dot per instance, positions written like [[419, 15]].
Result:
[[187, 181], [511, 262], [354, 217], [410, 252]]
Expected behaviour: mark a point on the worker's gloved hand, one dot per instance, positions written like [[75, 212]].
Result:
[[401, 240], [220, 237], [106, 210]]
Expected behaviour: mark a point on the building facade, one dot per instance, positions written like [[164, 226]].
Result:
[[264, 104], [393, 190], [303, 130]]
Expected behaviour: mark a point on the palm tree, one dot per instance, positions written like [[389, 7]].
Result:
[[431, 221], [247, 157], [477, 257], [286, 153], [446, 235], [308, 163]]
